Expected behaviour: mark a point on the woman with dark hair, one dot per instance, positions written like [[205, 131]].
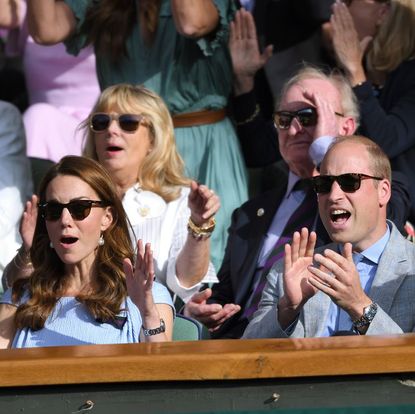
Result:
[[84, 288]]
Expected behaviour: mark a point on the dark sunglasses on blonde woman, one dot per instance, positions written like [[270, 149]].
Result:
[[349, 182], [78, 209], [100, 121]]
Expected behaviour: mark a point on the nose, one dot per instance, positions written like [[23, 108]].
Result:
[[113, 126], [295, 126], [336, 192], [66, 217]]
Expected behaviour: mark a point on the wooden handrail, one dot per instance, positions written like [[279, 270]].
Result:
[[208, 360]]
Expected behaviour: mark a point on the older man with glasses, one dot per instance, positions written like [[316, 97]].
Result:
[[362, 283]]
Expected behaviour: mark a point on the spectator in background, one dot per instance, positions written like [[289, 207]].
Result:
[[84, 288], [61, 88], [15, 180], [374, 42], [178, 48]]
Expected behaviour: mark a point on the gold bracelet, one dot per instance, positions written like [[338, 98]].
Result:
[[250, 118], [201, 232]]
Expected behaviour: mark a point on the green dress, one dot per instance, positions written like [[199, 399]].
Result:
[[189, 75]]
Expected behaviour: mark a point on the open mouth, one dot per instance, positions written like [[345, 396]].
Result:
[[339, 216], [68, 240], [113, 148]]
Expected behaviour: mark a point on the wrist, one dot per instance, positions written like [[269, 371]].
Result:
[[243, 84], [201, 232]]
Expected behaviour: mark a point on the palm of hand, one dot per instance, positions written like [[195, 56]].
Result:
[[296, 286], [246, 58]]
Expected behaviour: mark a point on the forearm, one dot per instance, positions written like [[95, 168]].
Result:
[[194, 18], [193, 261], [50, 21], [11, 13]]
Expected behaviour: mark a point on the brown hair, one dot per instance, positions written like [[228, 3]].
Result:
[[48, 280], [109, 23]]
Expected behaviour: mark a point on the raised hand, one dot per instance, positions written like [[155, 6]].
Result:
[[211, 315], [340, 280], [349, 50], [298, 257], [139, 279], [244, 49], [203, 203], [28, 222]]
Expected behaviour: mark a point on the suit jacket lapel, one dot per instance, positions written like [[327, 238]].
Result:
[[392, 269]]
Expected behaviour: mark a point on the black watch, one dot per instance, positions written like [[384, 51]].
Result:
[[369, 313]]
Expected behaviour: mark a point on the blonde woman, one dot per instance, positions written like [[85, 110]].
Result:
[[374, 42], [130, 132]]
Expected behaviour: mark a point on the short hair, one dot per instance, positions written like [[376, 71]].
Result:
[[379, 162], [162, 170], [348, 100], [48, 280], [394, 41]]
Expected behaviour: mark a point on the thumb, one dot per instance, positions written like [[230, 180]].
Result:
[[266, 54], [128, 268], [348, 251], [202, 296], [364, 43]]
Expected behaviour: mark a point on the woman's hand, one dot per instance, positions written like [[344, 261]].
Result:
[[28, 222], [348, 49], [245, 54], [203, 204]]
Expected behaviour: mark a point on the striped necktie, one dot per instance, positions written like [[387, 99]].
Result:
[[303, 216]]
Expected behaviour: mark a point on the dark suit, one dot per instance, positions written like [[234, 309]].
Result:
[[246, 237], [390, 120]]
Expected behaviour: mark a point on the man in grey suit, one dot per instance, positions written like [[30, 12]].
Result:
[[364, 282]]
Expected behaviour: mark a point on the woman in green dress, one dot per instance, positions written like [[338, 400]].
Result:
[[178, 48]]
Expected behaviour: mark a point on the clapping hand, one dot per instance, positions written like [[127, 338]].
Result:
[[203, 203]]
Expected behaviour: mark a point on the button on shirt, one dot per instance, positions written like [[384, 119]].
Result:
[[366, 264]]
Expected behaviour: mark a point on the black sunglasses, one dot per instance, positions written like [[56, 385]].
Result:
[[100, 121], [306, 116], [349, 182], [78, 209]]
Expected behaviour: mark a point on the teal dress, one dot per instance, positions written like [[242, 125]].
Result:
[[189, 75]]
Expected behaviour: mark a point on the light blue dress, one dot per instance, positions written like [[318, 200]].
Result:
[[190, 75], [70, 323]]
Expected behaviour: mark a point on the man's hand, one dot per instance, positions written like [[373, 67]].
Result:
[[340, 280], [298, 257], [211, 315]]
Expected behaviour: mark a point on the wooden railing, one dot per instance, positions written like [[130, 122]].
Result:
[[208, 360]]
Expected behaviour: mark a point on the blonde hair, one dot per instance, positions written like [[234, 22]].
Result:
[[348, 100], [394, 41], [162, 169]]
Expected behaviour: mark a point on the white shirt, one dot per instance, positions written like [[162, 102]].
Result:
[[164, 225], [16, 184]]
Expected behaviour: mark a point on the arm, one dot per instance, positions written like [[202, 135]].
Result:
[[7, 325], [194, 18], [193, 260], [50, 21], [139, 286], [11, 13]]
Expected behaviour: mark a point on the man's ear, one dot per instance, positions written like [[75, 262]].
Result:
[[383, 13], [384, 192], [348, 126], [107, 218]]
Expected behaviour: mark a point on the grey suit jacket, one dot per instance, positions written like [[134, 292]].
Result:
[[393, 289]]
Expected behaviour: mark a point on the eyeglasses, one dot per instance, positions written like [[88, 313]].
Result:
[[306, 116], [100, 121], [78, 209], [349, 182]]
